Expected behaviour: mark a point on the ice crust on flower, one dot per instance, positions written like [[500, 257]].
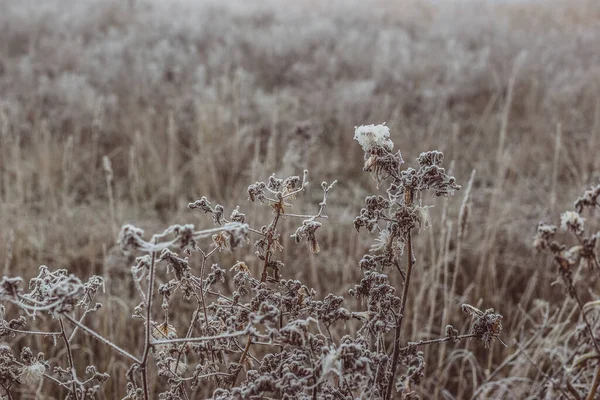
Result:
[[373, 136]]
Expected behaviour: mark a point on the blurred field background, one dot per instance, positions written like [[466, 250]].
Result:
[[203, 98]]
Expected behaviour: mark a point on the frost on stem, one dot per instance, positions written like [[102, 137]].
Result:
[[185, 237]]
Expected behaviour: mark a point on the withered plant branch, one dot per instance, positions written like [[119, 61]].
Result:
[[102, 339], [301, 188], [439, 340], [398, 331], [263, 278], [256, 360], [138, 287], [245, 352], [204, 258], [7, 392], [86, 312], [147, 344], [70, 358], [207, 375], [203, 338], [41, 333], [270, 234], [187, 335], [588, 326], [304, 216]]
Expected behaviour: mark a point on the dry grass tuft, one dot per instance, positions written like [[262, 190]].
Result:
[[115, 113]]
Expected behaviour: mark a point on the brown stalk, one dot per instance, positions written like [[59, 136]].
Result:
[[595, 384], [263, 278], [397, 333], [147, 345], [70, 357]]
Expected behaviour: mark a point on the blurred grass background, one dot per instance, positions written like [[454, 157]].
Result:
[[203, 98]]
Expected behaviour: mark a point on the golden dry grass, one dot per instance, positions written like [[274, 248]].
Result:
[[190, 99]]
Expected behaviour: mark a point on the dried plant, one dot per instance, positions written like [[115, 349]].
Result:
[[393, 218], [577, 375], [271, 338]]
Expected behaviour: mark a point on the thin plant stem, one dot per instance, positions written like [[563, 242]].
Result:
[[439, 340], [70, 357], [595, 384], [102, 339], [147, 345], [201, 339], [8, 393], [573, 293], [81, 322], [398, 331]]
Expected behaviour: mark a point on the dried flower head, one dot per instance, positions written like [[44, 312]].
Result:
[[32, 374], [486, 325], [371, 137], [573, 222], [307, 232], [544, 236], [590, 198]]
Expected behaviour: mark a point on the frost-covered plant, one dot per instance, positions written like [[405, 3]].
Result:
[[271, 337], [393, 218], [65, 298], [268, 311], [581, 376]]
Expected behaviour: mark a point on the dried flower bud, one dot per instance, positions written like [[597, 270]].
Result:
[[590, 198], [130, 238], [307, 231], [257, 192], [452, 333], [573, 222], [179, 265], [203, 204], [221, 241], [237, 216], [544, 236], [486, 325]]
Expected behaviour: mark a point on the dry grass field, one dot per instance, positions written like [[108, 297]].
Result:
[[123, 112]]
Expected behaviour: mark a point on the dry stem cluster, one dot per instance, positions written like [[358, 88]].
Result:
[[271, 338]]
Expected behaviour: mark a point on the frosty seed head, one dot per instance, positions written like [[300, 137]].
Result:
[[372, 136]]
